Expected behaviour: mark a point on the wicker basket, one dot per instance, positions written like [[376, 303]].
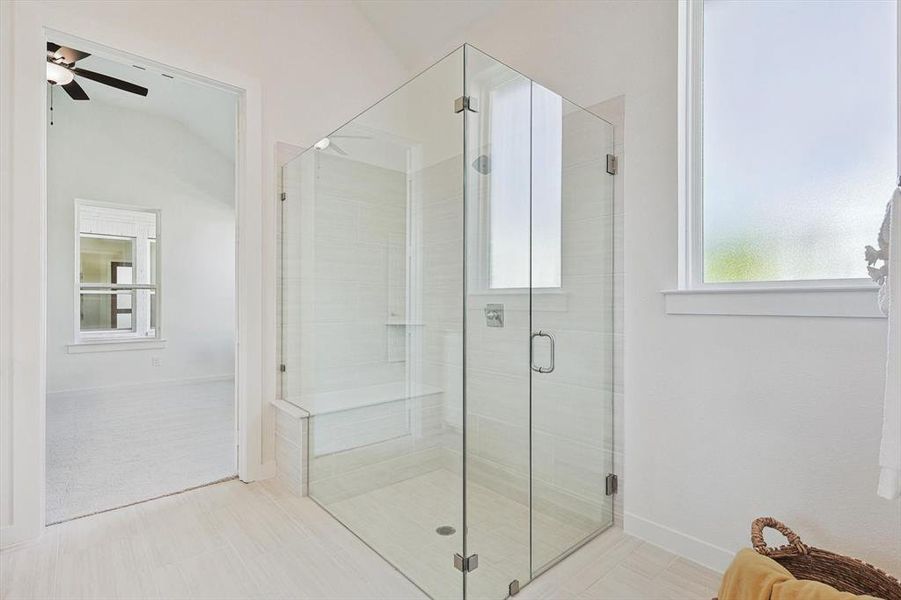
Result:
[[806, 562]]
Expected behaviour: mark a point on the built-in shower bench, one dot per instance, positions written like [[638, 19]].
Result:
[[325, 423]]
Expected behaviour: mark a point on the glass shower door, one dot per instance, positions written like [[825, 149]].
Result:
[[572, 326], [538, 343]]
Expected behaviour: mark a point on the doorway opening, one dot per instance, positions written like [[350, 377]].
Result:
[[141, 285]]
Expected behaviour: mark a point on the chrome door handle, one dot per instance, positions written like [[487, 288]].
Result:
[[550, 337]]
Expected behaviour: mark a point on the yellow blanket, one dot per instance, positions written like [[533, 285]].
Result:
[[752, 576]]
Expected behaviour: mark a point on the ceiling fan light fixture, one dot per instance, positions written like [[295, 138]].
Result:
[[322, 144], [58, 74]]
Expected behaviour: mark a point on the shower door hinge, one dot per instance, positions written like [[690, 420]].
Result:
[[465, 565], [611, 484], [283, 196], [466, 103], [612, 164], [282, 368]]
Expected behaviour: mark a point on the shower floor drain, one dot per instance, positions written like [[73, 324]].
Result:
[[446, 530]]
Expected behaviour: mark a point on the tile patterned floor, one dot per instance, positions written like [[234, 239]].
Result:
[[615, 566], [229, 540], [111, 448], [400, 520], [260, 541]]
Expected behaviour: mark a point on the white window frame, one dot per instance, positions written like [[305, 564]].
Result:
[[96, 341], [816, 297]]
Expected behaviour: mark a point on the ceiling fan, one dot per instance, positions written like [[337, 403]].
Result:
[[61, 70]]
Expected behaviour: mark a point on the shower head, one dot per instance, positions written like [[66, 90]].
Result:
[[482, 164], [328, 143]]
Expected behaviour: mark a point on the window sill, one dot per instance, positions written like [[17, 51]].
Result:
[[843, 302], [114, 345]]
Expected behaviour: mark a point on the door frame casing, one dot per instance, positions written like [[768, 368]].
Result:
[[23, 267]]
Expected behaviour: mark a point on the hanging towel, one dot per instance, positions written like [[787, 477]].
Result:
[[890, 301]]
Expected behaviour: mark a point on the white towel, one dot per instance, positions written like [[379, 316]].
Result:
[[890, 449]]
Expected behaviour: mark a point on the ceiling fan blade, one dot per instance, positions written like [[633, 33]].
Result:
[[337, 148], [111, 81], [75, 91], [68, 55]]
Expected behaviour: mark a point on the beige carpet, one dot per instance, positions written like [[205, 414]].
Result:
[[115, 447]]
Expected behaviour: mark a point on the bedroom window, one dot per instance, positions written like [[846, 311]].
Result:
[[789, 140], [116, 288]]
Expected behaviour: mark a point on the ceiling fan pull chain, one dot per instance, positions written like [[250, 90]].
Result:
[[51, 105]]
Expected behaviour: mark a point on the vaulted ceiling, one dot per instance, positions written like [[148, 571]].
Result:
[[206, 111], [421, 32]]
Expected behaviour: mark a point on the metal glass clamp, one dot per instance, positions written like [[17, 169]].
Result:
[[466, 564]]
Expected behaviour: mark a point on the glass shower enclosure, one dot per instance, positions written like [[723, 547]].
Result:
[[446, 321]]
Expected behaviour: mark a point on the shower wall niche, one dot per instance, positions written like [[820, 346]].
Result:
[[446, 323]]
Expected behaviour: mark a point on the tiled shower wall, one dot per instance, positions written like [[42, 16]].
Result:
[[343, 291], [343, 276], [348, 327], [438, 208]]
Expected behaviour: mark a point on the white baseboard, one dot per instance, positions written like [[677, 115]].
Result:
[[680, 544], [14, 536], [164, 383]]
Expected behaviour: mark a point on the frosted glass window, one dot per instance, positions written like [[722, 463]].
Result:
[[525, 186], [799, 136], [508, 205], [547, 175]]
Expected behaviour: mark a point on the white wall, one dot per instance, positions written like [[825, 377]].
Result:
[[726, 418], [101, 152], [6, 400], [306, 66]]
